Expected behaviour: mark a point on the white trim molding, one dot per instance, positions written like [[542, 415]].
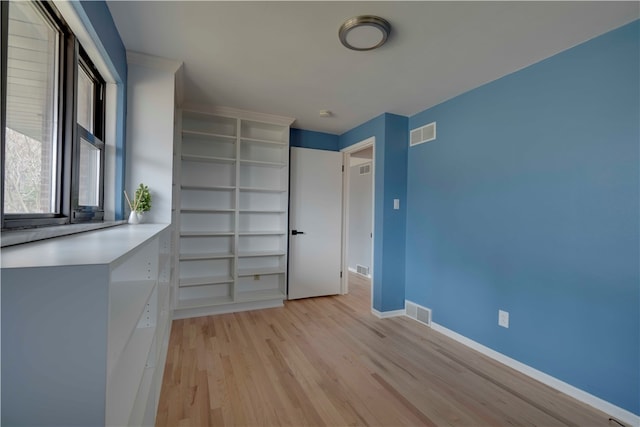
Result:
[[238, 113], [387, 314], [354, 271], [581, 395], [150, 61]]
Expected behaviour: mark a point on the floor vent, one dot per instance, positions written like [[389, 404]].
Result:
[[365, 169], [422, 134], [418, 312], [361, 269]]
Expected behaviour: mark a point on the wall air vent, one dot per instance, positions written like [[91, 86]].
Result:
[[418, 312], [365, 169], [362, 269], [422, 134]]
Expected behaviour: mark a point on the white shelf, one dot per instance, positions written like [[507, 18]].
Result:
[[207, 134], [208, 187], [262, 190], [206, 233], [262, 233], [198, 256], [106, 319], [259, 295], [261, 254], [207, 159], [251, 180], [261, 271], [188, 210], [127, 302], [264, 141], [261, 211], [210, 280], [261, 163], [203, 302]]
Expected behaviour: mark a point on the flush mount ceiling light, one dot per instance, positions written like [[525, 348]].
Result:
[[365, 32]]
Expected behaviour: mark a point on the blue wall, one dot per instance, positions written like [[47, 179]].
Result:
[[316, 140], [389, 226], [528, 201], [97, 19]]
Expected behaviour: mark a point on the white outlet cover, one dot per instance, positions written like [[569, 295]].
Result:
[[396, 204], [503, 318]]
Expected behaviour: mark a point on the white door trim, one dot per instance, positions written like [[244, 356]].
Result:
[[346, 153]]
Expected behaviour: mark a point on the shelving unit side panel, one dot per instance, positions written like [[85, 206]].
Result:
[[123, 386], [63, 378], [141, 264]]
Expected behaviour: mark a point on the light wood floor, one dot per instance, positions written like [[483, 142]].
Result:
[[329, 361]]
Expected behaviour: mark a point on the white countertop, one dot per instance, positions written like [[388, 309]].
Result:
[[89, 248]]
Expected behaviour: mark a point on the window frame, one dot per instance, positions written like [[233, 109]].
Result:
[[71, 56], [83, 213]]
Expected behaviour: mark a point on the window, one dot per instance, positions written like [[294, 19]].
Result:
[[89, 161], [52, 121]]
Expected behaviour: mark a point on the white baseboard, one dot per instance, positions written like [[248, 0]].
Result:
[[581, 395], [387, 314], [354, 271], [186, 313]]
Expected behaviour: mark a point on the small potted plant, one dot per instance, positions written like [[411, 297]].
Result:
[[141, 203]]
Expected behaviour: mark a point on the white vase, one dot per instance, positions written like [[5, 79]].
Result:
[[133, 218]]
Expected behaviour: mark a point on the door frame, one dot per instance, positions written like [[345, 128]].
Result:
[[346, 157]]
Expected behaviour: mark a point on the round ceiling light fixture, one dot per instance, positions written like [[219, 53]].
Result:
[[365, 32]]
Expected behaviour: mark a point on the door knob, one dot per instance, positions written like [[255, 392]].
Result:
[[296, 232]]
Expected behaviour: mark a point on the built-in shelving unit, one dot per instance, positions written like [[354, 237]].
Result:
[[90, 320], [233, 210]]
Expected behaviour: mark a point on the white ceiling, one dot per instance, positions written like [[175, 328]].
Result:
[[285, 57]]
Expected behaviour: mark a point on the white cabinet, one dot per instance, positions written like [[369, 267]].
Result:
[[85, 327], [233, 211]]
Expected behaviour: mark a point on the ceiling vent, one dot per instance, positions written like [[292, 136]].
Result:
[[425, 133], [365, 169]]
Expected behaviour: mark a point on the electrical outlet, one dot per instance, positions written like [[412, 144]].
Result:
[[503, 318], [396, 204]]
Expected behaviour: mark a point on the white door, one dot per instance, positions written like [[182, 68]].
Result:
[[315, 223]]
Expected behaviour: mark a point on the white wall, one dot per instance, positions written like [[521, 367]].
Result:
[[360, 216], [150, 132]]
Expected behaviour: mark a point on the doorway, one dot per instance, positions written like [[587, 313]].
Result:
[[358, 211]]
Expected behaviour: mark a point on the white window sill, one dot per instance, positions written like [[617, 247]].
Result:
[[16, 237]]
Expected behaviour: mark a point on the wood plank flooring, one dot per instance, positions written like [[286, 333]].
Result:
[[329, 362]]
